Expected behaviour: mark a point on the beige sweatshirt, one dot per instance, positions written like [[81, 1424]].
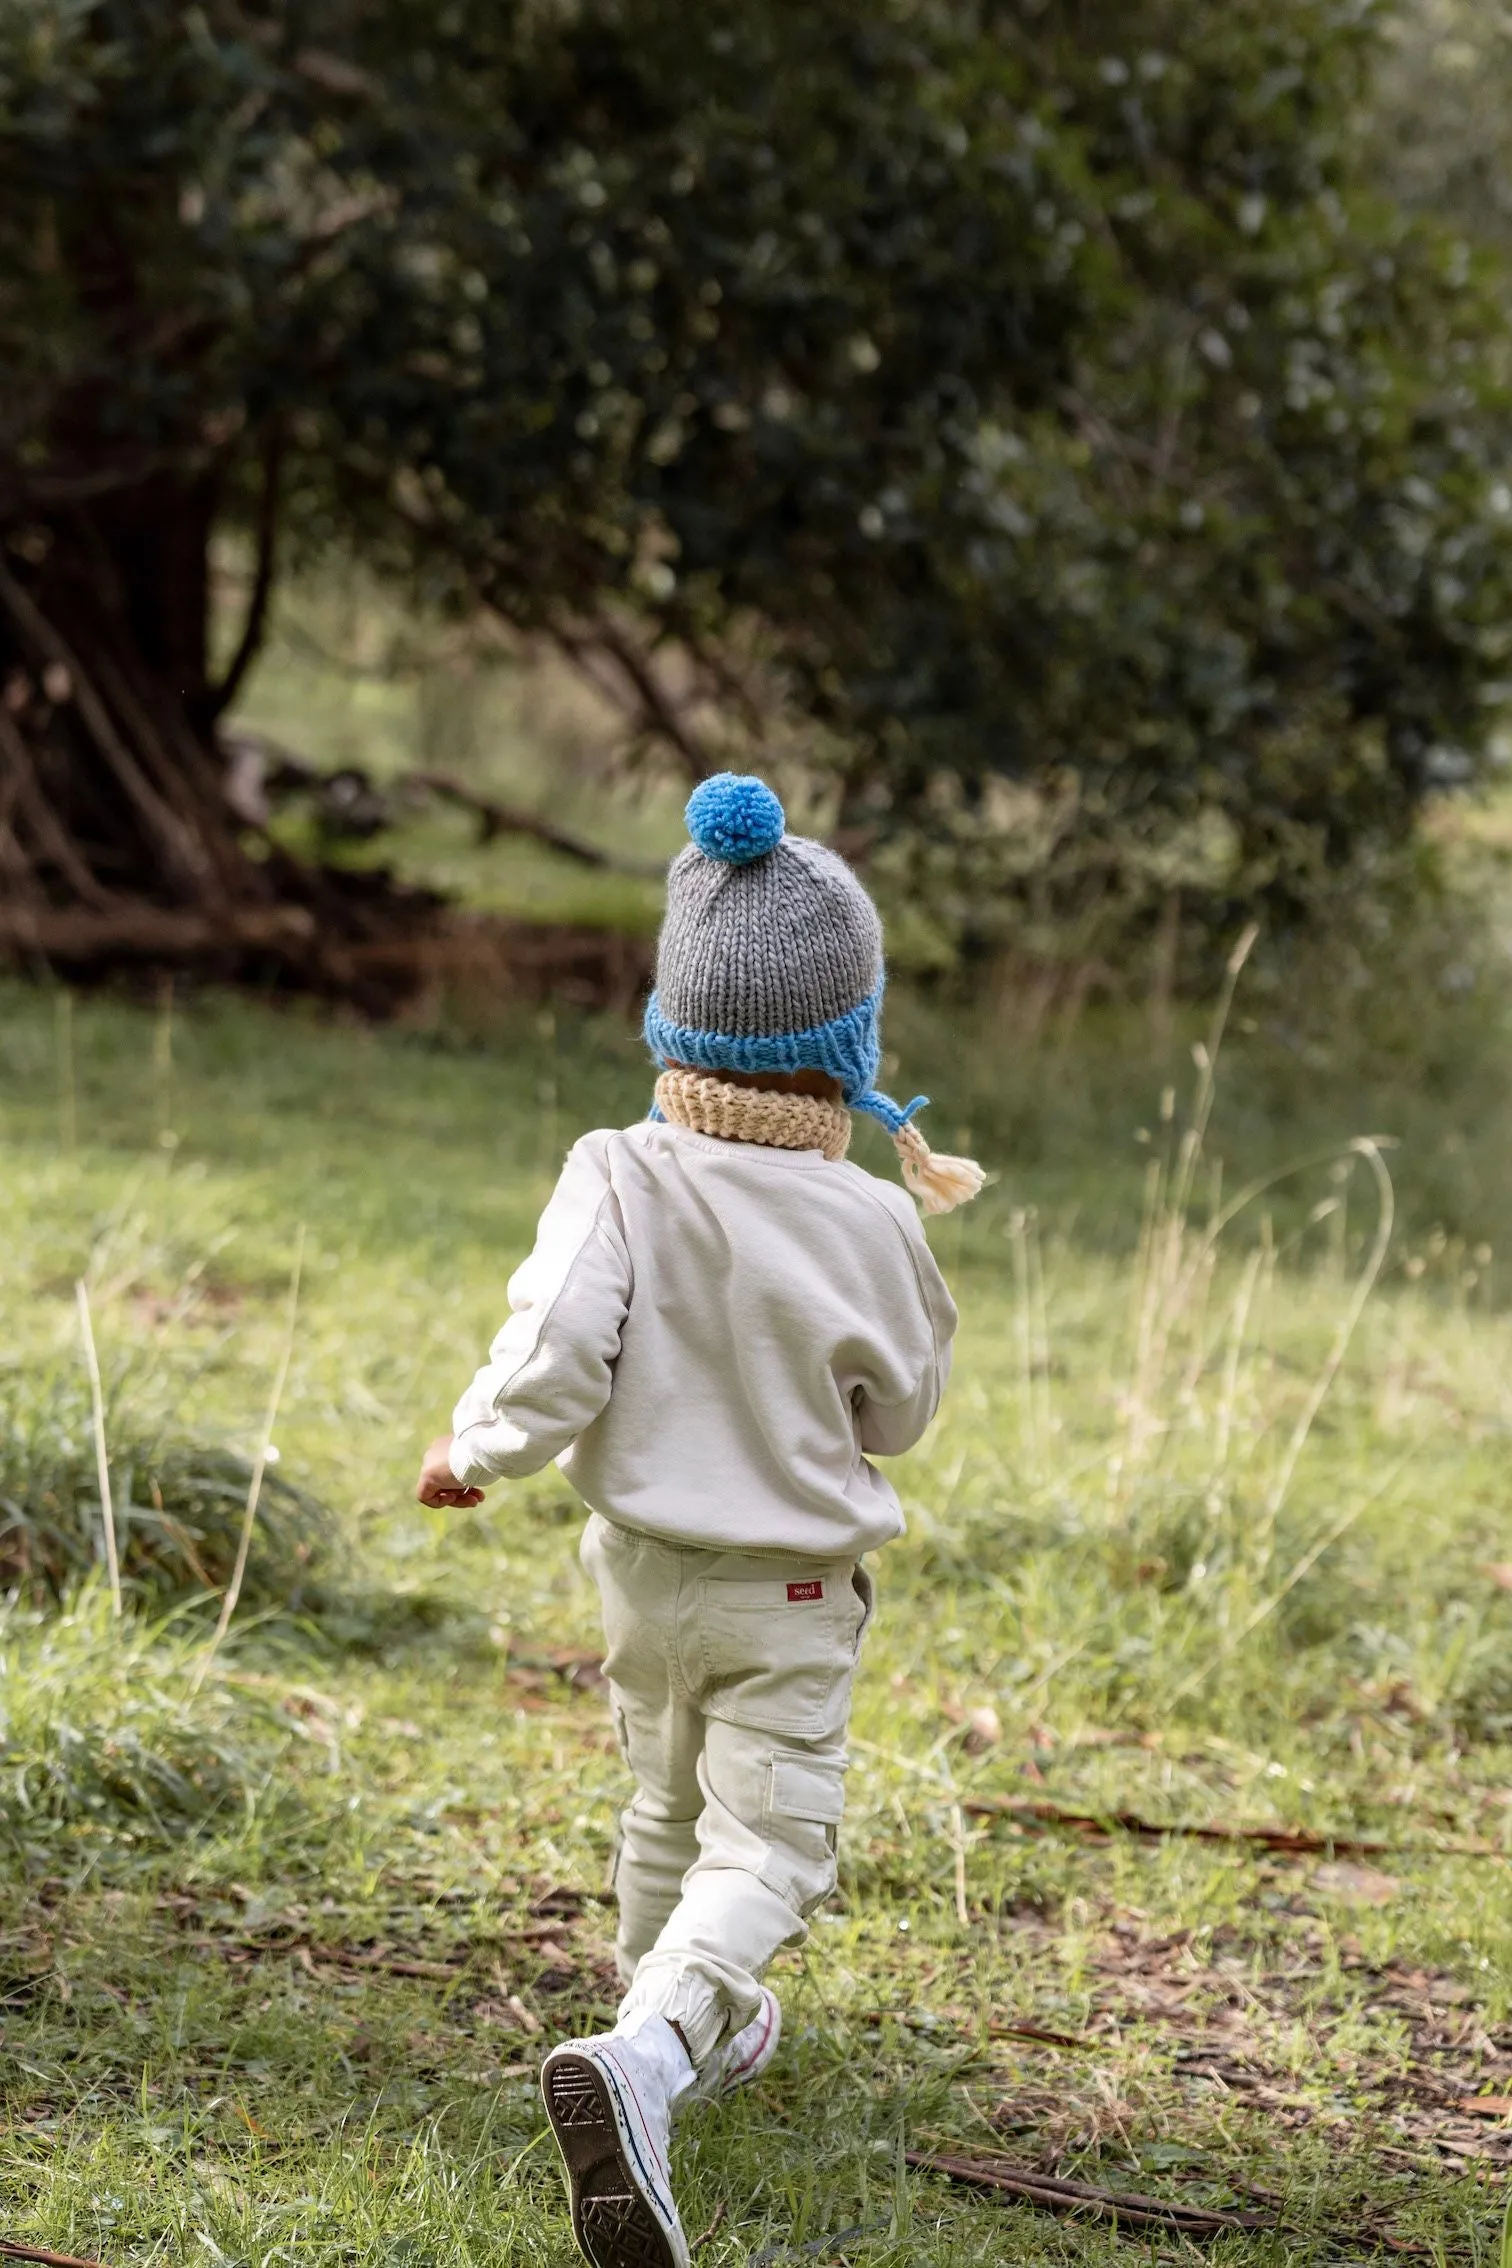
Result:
[[710, 1337]]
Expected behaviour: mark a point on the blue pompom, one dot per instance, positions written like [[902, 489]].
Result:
[[734, 818]]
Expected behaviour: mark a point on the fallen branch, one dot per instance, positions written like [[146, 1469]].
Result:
[[721, 2214], [1125, 2206], [508, 819], [1129, 2208], [392, 1964], [377, 1958], [263, 769], [1046, 2038], [1037, 2032], [9, 2251], [153, 931], [1282, 1842]]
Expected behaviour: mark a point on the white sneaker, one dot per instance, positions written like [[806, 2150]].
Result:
[[742, 2058], [611, 2102]]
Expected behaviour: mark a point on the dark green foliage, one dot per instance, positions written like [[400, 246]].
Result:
[[1035, 393], [1252, 563]]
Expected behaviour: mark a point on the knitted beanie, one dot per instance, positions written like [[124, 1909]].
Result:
[[770, 959]]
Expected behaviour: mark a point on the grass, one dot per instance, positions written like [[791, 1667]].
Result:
[[281, 1942]]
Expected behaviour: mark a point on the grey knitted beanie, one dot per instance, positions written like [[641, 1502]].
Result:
[[780, 944], [770, 959]]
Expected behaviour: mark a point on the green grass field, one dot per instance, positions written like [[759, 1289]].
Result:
[[1213, 1534]]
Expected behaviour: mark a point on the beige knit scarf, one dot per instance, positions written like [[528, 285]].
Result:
[[753, 1114], [805, 1122]]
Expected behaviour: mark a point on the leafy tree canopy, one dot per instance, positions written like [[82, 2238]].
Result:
[[1041, 392]]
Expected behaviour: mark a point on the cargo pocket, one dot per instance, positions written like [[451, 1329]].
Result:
[[805, 1803]]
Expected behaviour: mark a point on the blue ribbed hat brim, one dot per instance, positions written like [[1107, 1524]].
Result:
[[848, 1048]]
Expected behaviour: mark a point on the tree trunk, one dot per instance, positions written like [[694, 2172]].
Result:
[[112, 786], [117, 837]]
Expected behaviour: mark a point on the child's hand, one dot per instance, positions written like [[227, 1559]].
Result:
[[438, 1484]]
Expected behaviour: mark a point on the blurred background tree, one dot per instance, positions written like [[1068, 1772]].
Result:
[[1442, 114], [1045, 406]]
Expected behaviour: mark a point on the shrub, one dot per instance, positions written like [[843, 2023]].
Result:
[[103, 1733], [178, 1508]]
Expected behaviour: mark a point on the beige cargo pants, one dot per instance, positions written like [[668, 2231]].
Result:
[[730, 1681]]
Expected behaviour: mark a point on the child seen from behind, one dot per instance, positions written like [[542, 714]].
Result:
[[721, 1324]]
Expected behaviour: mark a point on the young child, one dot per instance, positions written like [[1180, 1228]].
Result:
[[720, 1324]]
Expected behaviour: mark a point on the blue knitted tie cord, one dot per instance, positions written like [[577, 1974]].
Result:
[[736, 822], [893, 1116]]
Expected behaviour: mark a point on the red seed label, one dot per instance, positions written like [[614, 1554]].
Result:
[[801, 1592]]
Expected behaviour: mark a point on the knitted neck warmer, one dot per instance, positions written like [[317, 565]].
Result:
[[753, 1114]]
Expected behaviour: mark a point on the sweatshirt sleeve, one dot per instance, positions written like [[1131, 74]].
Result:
[[551, 1367], [888, 1428]]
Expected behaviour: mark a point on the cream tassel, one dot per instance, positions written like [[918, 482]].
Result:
[[940, 1184]]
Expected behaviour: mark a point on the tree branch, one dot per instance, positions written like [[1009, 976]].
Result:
[[221, 696], [656, 705], [51, 840], [728, 683], [509, 819], [280, 771]]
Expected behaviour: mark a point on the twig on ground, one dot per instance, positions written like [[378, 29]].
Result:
[[1045, 2038], [1281, 1842], [102, 1460], [392, 1964], [1087, 2042], [1127, 2206], [1130, 2207], [713, 2228], [10, 2251]]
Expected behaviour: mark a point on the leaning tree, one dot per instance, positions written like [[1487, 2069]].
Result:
[[607, 320], [1032, 390]]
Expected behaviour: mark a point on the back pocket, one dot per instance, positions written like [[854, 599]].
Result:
[[773, 1656]]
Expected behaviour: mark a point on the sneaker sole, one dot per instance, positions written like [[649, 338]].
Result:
[[614, 2225]]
